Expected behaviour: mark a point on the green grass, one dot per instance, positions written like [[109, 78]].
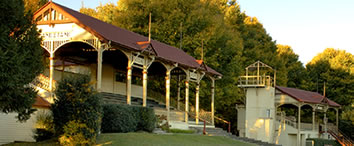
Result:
[[181, 131], [148, 139], [51, 142]]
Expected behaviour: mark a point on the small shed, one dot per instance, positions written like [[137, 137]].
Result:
[[12, 130]]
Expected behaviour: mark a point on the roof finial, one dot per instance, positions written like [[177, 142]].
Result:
[[202, 51], [150, 27], [181, 36], [324, 89]]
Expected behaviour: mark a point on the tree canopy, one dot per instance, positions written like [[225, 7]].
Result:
[[20, 58]]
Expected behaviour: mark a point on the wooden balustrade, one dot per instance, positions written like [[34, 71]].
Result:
[[42, 81]]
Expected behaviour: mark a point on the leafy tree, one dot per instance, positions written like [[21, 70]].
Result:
[[20, 59], [105, 12], [296, 72], [335, 69], [33, 5]]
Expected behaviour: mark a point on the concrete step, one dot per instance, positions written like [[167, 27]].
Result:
[[249, 140]]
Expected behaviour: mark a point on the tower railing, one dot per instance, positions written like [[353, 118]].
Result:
[[252, 81]]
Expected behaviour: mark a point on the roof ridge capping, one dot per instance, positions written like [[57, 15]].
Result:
[[306, 96], [128, 39]]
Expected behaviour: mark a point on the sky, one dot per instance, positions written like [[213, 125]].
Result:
[[308, 26]]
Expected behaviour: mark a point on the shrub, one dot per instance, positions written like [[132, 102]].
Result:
[[42, 134], [147, 120], [322, 142], [163, 123], [44, 122], [124, 118], [76, 103], [75, 133], [118, 119]]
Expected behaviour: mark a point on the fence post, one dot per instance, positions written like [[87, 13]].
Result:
[[229, 129], [204, 132]]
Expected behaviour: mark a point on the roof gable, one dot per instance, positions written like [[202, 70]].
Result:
[[52, 14], [306, 96]]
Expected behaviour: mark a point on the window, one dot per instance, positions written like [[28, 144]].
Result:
[[121, 76], [137, 80], [268, 113]]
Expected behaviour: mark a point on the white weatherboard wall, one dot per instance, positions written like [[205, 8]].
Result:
[[11, 130], [110, 85], [260, 114]]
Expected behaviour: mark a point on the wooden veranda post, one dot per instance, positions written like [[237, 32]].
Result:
[[144, 83], [258, 73], [99, 67], [186, 99], [197, 104], [299, 125], [129, 80], [51, 72], [313, 118], [168, 78], [212, 100], [178, 91]]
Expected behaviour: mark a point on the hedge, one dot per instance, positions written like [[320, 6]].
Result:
[[124, 118], [322, 142]]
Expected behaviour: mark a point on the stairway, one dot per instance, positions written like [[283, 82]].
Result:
[[220, 132], [112, 98], [341, 138], [249, 140]]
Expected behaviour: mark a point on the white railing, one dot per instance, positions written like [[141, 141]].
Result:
[[43, 81], [255, 81], [293, 123], [205, 115]]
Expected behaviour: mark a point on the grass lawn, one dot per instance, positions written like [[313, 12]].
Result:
[[148, 139]]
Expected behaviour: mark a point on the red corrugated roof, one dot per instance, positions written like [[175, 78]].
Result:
[[40, 102], [129, 39], [306, 96]]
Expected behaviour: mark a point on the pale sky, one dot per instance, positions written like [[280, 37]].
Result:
[[308, 26]]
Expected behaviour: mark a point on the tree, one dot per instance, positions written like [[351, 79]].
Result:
[[20, 58], [296, 72], [33, 5], [105, 12], [334, 68]]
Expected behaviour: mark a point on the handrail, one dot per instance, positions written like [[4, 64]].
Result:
[[227, 122], [156, 94], [201, 119], [340, 137]]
